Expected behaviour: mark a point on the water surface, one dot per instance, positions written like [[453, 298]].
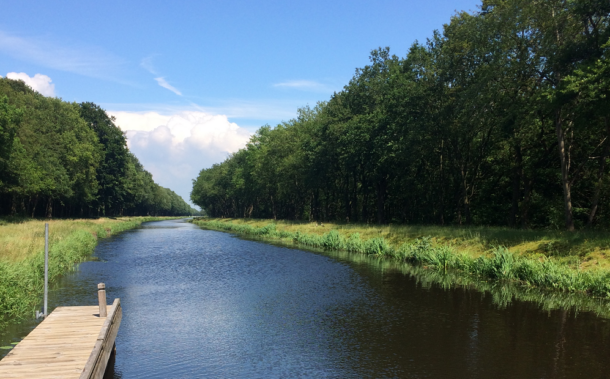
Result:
[[205, 304]]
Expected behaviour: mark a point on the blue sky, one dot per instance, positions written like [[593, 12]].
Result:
[[189, 81]]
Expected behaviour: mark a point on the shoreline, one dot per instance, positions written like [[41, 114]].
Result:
[[529, 278]]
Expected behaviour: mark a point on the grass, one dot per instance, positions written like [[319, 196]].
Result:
[[22, 255], [560, 261]]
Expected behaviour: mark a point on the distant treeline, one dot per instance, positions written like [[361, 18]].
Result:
[[501, 119], [60, 159]]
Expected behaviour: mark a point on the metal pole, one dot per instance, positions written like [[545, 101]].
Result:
[[46, 267]]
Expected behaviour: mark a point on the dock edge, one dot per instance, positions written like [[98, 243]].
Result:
[[98, 360]]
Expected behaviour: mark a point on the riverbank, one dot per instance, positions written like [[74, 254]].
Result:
[[568, 262], [22, 255]]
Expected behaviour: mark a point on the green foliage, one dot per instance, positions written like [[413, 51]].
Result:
[[111, 173], [10, 117], [70, 160], [500, 119]]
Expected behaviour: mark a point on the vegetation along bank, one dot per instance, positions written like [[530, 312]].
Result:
[[574, 262], [22, 256]]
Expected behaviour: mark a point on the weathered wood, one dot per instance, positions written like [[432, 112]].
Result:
[[64, 344], [96, 364], [101, 295]]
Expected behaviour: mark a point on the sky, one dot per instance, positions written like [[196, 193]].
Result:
[[190, 81]]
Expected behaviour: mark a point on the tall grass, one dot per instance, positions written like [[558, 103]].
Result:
[[498, 264], [22, 256], [584, 249]]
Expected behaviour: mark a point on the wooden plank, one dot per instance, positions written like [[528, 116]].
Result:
[[96, 365], [64, 344]]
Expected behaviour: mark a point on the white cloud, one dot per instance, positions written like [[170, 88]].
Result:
[[265, 110], [308, 85], [40, 83], [84, 60], [175, 147], [147, 64], [139, 121], [165, 84]]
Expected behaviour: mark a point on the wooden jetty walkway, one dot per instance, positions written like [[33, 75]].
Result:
[[72, 342]]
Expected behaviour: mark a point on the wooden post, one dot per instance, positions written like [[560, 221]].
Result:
[[101, 295]]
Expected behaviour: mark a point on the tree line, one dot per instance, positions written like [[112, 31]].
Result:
[[500, 119], [61, 159]]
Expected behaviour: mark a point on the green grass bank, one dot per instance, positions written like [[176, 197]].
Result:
[[22, 255], [551, 260]]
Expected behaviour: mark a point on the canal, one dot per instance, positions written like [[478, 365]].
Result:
[[205, 304]]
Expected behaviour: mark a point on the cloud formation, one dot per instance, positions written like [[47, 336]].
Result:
[[40, 83], [89, 61], [147, 64], [163, 83], [175, 147], [263, 111], [308, 85]]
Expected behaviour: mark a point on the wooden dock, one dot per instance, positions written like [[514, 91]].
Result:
[[72, 342]]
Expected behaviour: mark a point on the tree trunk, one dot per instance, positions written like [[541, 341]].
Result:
[[465, 200], [516, 187], [327, 203], [273, 208], [50, 207], [13, 205], [527, 195], [600, 176], [355, 197], [346, 199], [467, 210], [442, 188], [365, 201], [34, 203], [565, 168], [314, 205], [311, 207], [381, 188]]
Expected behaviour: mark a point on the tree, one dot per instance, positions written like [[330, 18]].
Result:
[[111, 171]]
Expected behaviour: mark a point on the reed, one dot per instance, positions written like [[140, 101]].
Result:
[[498, 263]]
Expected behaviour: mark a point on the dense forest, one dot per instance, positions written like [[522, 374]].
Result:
[[60, 159], [500, 119]]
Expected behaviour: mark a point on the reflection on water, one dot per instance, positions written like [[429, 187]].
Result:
[[200, 303], [502, 293]]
